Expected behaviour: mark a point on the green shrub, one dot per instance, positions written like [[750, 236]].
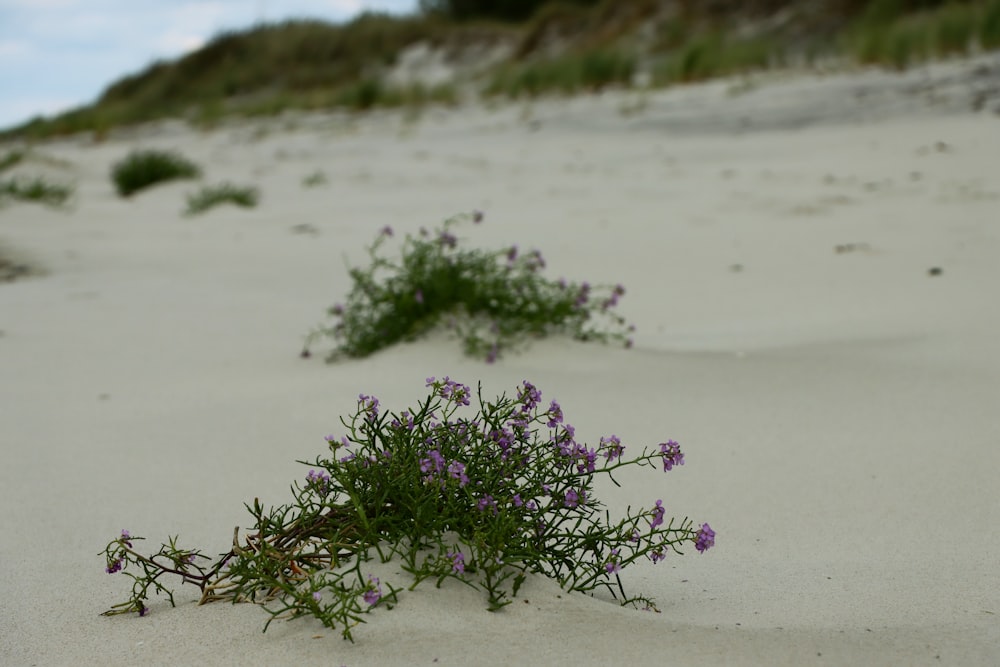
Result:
[[493, 300], [211, 196], [483, 492], [144, 168]]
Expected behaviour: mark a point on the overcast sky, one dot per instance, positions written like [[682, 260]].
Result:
[[57, 54]]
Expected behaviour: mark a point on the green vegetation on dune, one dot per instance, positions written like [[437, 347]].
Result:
[[560, 47], [144, 168]]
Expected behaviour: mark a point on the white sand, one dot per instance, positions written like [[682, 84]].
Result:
[[839, 411]]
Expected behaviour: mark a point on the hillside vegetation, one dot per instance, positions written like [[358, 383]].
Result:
[[515, 48]]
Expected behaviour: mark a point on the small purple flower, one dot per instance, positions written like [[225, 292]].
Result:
[[477, 217], [318, 480], [611, 447], [491, 356], [447, 240], [456, 470], [317, 596], [573, 499], [657, 515], [582, 296], [450, 390], [512, 254], [374, 591], [672, 455], [434, 463], [368, 404], [613, 565], [517, 500], [529, 396], [418, 296], [657, 555], [535, 261], [114, 567], [386, 231], [457, 561], [487, 502], [705, 539], [143, 610], [555, 414], [126, 537], [337, 309]]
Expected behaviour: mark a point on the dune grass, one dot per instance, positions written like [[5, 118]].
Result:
[[35, 189], [897, 39], [563, 48], [142, 169], [225, 193], [589, 71]]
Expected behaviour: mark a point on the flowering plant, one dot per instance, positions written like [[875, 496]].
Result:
[[485, 498], [491, 299]]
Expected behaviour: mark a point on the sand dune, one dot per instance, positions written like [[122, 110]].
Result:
[[836, 398]]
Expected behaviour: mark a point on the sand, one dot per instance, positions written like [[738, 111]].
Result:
[[836, 398]]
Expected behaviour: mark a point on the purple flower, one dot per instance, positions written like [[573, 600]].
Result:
[[418, 296], [487, 502], [447, 240], [573, 498], [585, 459], [491, 356], [318, 480], [317, 596], [457, 471], [517, 500], [611, 447], [125, 537], [583, 296], [457, 561], [434, 463], [535, 261], [672, 455], [143, 609], [529, 396], [657, 555], [114, 567], [368, 404], [337, 309], [613, 565], [657, 515], [555, 414], [512, 254], [374, 591], [386, 231], [450, 390], [477, 216], [705, 539]]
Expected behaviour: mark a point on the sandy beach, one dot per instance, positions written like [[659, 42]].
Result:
[[811, 263]]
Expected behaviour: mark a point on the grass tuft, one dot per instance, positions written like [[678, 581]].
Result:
[[226, 193], [144, 168], [36, 190]]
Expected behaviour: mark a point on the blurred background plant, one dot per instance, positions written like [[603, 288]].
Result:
[[494, 300], [144, 168], [225, 193]]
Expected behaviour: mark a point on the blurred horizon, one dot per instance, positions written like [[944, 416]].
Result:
[[59, 54]]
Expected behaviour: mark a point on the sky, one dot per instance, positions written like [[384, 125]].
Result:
[[59, 54]]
